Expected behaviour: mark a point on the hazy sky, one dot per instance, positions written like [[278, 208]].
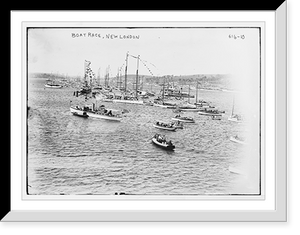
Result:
[[173, 51]]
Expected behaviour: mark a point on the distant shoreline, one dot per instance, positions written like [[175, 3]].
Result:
[[211, 82]]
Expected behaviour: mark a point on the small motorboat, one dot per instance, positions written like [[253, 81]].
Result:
[[187, 107], [164, 126], [160, 103], [52, 85], [210, 112], [161, 142], [216, 117], [80, 114], [203, 105], [183, 119], [164, 105]]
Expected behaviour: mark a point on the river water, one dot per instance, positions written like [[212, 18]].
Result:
[[72, 155]]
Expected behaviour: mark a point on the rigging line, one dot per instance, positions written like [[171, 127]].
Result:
[[143, 61], [148, 62], [133, 56], [122, 66], [136, 57], [147, 68]]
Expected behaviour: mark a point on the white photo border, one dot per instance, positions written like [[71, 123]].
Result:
[[129, 208]]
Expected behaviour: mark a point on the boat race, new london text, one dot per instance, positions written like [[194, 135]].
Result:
[[104, 36]]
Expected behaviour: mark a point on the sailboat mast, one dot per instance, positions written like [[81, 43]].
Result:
[[108, 76], [142, 83], [121, 83], [105, 78], [137, 76], [99, 76], [232, 107], [118, 78], [126, 71]]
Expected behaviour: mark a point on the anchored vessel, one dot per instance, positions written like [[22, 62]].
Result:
[[216, 117], [78, 113], [125, 97], [210, 112], [234, 117], [183, 119], [51, 85], [162, 104], [189, 109]]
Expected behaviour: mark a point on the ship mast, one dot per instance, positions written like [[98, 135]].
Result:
[[108, 76], [84, 71], [232, 111], [99, 76], [118, 78], [126, 71], [137, 77]]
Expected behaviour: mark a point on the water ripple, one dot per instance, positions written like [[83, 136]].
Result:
[[71, 155]]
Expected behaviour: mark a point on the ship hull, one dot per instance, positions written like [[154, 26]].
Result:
[[79, 112], [165, 128], [209, 114], [53, 86]]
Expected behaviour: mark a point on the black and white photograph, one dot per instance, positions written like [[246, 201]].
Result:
[[156, 111]]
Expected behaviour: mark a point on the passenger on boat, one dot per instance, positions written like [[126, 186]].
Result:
[[159, 138]]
